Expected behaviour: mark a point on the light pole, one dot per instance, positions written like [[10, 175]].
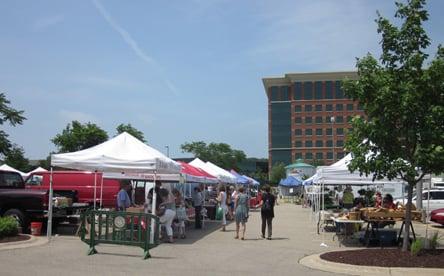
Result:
[[332, 121], [168, 151]]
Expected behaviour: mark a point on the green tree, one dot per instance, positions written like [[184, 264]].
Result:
[[220, 154], [77, 136], [16, 158], [131, 130], [402, 134], [11, 115], [277, 173]]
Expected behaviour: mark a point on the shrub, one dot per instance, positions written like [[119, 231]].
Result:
[[434, 240], [416, 247], [8, 227]]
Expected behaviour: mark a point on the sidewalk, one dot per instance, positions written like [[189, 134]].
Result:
[[204, 252]]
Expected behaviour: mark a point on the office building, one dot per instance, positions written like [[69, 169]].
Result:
[[308, 117]]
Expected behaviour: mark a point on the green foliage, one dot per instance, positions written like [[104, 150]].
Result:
[[260, 176], [131, 130], [8, 227], [404, 104], [77, 136], [277, 173], [434, 240], [16, 158], [220, 154], [45, 163], [417, 246], [11, 115]]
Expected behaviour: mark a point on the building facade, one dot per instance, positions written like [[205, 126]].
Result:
[[308, 117]]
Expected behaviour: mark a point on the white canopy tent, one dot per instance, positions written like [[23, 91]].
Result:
[[39, 169], [6, 167], [122, 154], [221, 174]]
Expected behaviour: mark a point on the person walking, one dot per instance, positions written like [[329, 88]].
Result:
[[222, 199], [241, 212], [197, 204], [267, 211]]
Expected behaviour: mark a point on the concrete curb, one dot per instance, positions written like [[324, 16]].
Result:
[[315, 262], [33, 241]]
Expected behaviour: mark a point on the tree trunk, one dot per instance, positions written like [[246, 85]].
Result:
[[408, 217]]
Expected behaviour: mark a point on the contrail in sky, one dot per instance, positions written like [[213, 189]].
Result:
[[132, 44]]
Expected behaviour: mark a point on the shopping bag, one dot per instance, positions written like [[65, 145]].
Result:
[[219, 213]]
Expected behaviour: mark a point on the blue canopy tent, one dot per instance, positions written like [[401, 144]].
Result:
[[289, 186], [240, 179], [253, 181]]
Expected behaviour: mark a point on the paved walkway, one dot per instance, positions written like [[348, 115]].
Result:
[[206, 252]]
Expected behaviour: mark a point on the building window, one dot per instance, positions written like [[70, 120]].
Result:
[[328, 131], [308, 132], [275, 93], [298, 108], [328, 107], [298, 132], [318, 119], [329, 155], [318, 107], [340, 155], [308, 144], [339, 119], [319, 155], [349, 107], [298, 120], [285, 95], [329, 143], [308, 90], [319, 132], [297, 91], [319, 143], [308, 155], [298, 155], [308, 120], [340, 131], [308, 108], [298, 144], [338, 90], [318, 90], [328, 90], [339, 107], [340, 143]]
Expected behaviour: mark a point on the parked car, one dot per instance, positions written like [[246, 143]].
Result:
[[437, 216], [80, 182], [436, 200]]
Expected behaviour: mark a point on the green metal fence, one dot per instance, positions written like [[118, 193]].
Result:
[[123, 228]]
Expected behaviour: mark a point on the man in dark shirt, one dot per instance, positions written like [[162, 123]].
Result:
[[197, 203], [157, 187]]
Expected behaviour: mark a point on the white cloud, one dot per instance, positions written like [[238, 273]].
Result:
[[132, 43], [46, 22], [67, 116]]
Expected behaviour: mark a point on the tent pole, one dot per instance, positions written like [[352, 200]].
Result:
[[95, 188], [101, 192], [153, 209], [49, 227]]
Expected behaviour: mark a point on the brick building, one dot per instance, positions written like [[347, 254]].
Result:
[[308, 117]]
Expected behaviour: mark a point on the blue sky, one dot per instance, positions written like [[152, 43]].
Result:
[[177, 70]]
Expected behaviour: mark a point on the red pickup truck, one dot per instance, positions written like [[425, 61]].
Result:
[[23, 204]]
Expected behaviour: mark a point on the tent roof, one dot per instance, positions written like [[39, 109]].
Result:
[[239, 178], [299, 164], [123, 153], [218, 172], [290, 181], [6, 167]]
